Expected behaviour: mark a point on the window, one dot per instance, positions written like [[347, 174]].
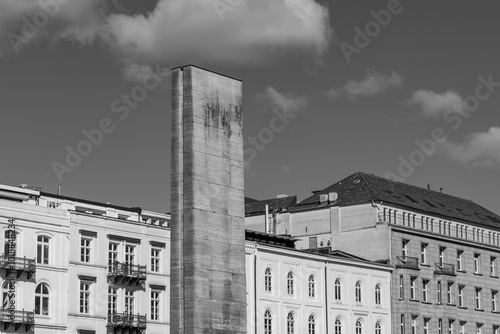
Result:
[[496, 329], [359, 327], [338, 326], [378, 296], [426, 325], [478, 298], [338, 295], [494, 301], [423, 253], [493, 269], [290, 323], [290, 287], [441, 255], [85, 296], [112, 297], [312, 287], [312, 324], [112, 254], [404, 248], [42, 299], [414, 325], [402, 323], [378, 328], [155, 304], [268, 322], [268, 276], [462, 327], [129, 301], [439, 292], [451, 327], [358, 292], [449, 293], [401, 287], [461, 297], [413, 288], [460, 259], [155, 259], [440, 326], [479, 328], [425, 290], [85, 247], [129, 254], [42, 250], [477, 265]]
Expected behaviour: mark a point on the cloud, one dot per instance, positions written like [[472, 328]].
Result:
[[135, 72], [481, 149], [282, 101], [374, 84], [433, 104], [185, 31]]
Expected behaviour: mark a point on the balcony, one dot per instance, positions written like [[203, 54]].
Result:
[[408, 262], [18, 265], [126, 273], [445, 269], [17, 319], [126, 323]]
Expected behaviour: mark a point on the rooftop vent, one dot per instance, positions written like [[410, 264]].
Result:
[[323, 198], [332, 197]]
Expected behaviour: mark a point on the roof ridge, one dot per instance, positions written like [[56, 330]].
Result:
[[361, 174]]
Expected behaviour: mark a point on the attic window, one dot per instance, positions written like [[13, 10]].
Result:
[[411, 199]]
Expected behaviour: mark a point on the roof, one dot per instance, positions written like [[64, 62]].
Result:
[[259, 207], [361, 188], [283, 240]]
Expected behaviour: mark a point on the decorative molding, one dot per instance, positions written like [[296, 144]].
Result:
[[339, 270], [291, 263], [268, 259], [360, 273], [380, 276]]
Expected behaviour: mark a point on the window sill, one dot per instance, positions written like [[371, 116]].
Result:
[[493, 276], [39, 316], [425, 265], [496, 312], [462, 307], [479, 309], [478, 274], [461, 271], [425, 302], [451, 304], [415, 300]]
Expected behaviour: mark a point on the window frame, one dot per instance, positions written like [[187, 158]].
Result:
[[40, 297], [43, 249], [423, 253]]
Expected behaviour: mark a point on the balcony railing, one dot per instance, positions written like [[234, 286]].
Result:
[[444, 269], [18, 264], [123, 273], [16, 318], [131, 323], [407, 262]]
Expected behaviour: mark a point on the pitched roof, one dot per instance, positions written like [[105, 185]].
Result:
[[363, 188], [258, 207]]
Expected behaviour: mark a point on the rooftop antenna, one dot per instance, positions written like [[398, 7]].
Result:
[[59, 189], [429, 186], [441, 190]]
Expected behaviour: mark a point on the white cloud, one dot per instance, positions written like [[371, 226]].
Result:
[[135, 72], [433, 104], [283, 101], [374, 84], [481, 149]]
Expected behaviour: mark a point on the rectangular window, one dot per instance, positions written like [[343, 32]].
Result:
[[441, 255], [462, 327], [493, 269], [414, 325], [85, 248], [450, 326], [425, 290], [477, 264], [129, 254], [423, 253], [155, 304], [401, 287], [426, 325], [413, 288], [129, 301], [85, 296], [112, 253], [494, 301], [404, 248], [440, 326], [479, 328], [496, 329], [461, 301], [402, 323], [155, 259], [112, 297], [42, 250], [460, 255], [478, 298], [439, 292], [449, 293]]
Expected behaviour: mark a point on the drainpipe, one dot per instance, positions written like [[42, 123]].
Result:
[[266, 227], [326, 296]]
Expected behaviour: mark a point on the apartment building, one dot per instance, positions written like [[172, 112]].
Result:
[[77, 266], [445, 250]]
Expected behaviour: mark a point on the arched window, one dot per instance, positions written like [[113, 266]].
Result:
[[359, 327], [338, 326], [378, 328], [290, 323], [312, 287], [358, 292], [312, 324], [338, 295], [42, 250], [268, 322], [42, 299], [290, 287], [268, 276], [378, 296]]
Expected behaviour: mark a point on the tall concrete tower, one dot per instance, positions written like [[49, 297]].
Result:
[[208, 287]]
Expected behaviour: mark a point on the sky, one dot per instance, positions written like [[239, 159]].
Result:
[[408, 90]]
